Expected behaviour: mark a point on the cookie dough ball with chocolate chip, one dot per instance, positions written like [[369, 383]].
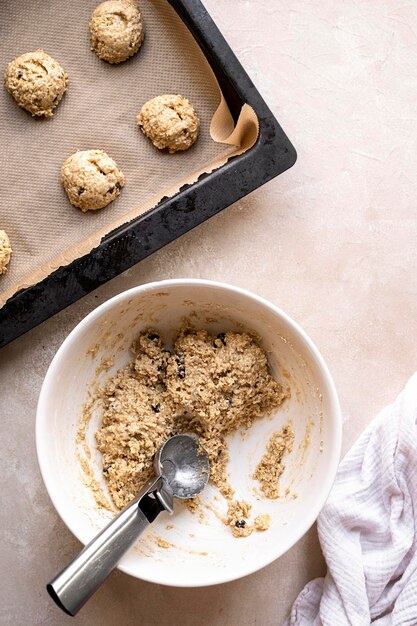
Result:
[[116, 30], [170, 122], [91, 179], [37, 82], [5, 251]]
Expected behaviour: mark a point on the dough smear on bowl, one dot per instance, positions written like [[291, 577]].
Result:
[[37, 82], [91, 179], [209, 385], [116, 30], [5, 251], [270, 467], [170, 122]]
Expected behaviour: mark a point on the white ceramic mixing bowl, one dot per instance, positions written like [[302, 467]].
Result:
[[202, 552]]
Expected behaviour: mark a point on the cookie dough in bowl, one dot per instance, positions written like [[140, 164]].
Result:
[[91, 179], [209, 385], [37, 82], [5, 251], [170, 122], [116, 30]]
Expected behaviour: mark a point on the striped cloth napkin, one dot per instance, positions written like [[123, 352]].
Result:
[[368, 529]]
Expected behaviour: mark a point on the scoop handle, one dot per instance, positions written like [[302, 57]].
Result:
[[77, 582]]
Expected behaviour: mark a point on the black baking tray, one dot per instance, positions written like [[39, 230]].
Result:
[[172, 217]]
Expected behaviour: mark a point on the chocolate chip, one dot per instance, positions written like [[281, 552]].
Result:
[[118, 185], [240, 523], [156, 408], [179, 359], [19, 74], [222, 337], [80, 190], [106, 469], [154, 337], [110, 190]]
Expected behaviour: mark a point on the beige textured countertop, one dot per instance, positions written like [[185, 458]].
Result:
[[332, 242]]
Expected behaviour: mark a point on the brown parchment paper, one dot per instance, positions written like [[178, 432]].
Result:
[[99, 111]]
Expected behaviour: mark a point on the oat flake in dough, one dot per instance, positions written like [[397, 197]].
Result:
[[170, 122], [37, 82], [91, 179], [116, 30], [5, 251]]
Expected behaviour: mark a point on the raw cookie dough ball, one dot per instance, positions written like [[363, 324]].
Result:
[[91, 179], [116, 29], [37, 82], [170, 122], [5, 251]]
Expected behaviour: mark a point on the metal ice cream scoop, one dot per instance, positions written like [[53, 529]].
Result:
[[182, 471]]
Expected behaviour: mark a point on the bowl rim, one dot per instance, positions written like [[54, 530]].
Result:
[[334, 459]]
